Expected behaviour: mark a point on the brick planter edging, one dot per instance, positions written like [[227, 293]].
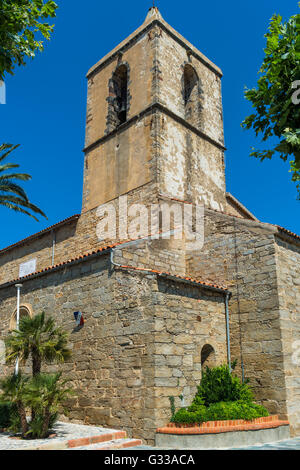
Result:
[[85, 441], [82, 441], [215, 427]]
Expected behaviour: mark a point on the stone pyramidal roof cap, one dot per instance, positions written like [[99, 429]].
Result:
[[154, 15]]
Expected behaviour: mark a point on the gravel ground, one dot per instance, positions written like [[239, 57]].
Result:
[[63, 431]]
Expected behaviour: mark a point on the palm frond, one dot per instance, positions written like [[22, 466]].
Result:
[[15, 176], [7, 149], [18, 199], [17, 209], [9, 187]]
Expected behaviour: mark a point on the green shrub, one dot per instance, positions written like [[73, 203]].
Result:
[[219, 384], [5, 409], [189, 417], [8, 412], [221, 411], [220, 396], [235, 410]]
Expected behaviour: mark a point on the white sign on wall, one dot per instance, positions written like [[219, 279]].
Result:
[[27, 268]]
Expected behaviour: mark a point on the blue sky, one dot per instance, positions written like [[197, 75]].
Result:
[[46, 102]]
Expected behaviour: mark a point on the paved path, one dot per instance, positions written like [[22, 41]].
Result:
[[290, 444], [68, 431], [64, 431]]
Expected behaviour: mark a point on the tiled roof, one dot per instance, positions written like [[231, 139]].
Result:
[[36, 235], [108, 248], [288, 232], [64, 263], [177, 277]]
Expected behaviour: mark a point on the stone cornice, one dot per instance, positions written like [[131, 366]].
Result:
[[128, 43], [150, 109]]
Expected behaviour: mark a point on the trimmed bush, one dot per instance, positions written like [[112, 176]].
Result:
[[221, 411], [219, 384], [220, 397]]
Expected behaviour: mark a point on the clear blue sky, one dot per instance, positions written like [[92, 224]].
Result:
[[46, 102]]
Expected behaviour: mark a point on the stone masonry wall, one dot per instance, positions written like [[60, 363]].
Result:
[[171, 59], [190, 168], [242, 254], [40, 249], [82, 236], [288, 272], [141, 341]]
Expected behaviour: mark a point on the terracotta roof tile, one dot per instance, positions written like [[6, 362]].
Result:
[[108, 248], [284, 230], [35, 235], [183, 278]]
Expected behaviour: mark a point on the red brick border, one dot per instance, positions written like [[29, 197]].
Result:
[[216, 427], [85, 441]]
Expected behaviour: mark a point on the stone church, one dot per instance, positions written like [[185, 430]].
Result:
[[157, 309]]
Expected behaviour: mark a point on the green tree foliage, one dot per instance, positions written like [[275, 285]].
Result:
[[39, 339], [277, 114], [12, 195], [21, 22]]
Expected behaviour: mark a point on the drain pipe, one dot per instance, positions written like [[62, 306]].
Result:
[[53, 245], [18, 286], [112, 259], [227, 297]]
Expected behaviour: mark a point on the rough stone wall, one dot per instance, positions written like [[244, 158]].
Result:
[[160, 255], [83, 236], [190, 168], [288, 272], [242, 254], [141, 341], [140, 59], [119, 164], [187, 319], [40, 249], [156, 147]]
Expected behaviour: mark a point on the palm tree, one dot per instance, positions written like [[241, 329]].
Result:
[[46, 394], [39, 338], [13, 391], [12, 195]]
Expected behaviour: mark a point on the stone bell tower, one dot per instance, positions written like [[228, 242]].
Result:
[[154, 121]]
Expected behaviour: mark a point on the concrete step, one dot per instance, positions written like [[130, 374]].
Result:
[[111, 445]]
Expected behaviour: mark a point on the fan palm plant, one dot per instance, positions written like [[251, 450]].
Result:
[[13, 195], [13, 392], [39, 338], [45, 393]]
